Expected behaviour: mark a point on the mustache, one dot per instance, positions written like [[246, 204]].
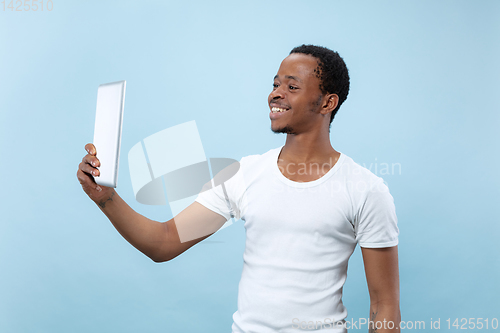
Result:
[[275, 102]]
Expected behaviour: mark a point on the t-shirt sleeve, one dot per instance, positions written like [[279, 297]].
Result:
[[376, 221], [224, 199]]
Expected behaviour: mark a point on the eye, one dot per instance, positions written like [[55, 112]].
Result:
[[293, 87], [275, 85]]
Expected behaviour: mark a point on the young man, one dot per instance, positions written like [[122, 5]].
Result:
[[305, 207]]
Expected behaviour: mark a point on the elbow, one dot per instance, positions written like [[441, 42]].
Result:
[[160, 251], [160, 258], [164, 257]]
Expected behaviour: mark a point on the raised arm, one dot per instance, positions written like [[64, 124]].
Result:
[[158, 240], [382, 276]]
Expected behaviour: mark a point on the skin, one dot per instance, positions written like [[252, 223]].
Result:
[[382, 277], [306, 122], [307, 119]]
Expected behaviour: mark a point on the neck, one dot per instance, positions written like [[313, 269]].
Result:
[[308, 147]]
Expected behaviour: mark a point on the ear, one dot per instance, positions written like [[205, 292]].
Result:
[[330, 103]]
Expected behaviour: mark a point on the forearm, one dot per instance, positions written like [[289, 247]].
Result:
[[382, 277], [159, 241], [148, 236], [384, 317]]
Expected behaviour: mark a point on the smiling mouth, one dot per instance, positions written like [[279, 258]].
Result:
[[275, 109]]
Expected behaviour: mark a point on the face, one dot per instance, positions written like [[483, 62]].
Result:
[[296, 99]]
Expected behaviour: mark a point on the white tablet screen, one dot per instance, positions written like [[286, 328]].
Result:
[[108, 130]]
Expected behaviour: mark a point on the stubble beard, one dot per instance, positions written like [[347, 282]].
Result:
[[285, 130]]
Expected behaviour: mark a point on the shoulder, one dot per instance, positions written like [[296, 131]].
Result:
[[259, 160], [359, 176], [373, 209], [362, 185], [259, 157], [251, 167]]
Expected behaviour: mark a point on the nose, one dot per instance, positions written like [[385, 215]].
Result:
[[277, 93]]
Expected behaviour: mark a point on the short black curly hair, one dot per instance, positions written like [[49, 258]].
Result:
[[332, 71]]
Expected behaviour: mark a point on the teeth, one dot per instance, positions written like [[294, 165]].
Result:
[[275, 109]]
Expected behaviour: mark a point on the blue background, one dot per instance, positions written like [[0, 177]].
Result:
[[425, 79]]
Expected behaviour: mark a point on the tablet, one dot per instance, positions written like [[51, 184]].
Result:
[[108, 130]]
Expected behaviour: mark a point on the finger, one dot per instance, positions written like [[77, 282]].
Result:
[[87, 181], [84, 178], [91, 160], [90, 148], [88, 169]]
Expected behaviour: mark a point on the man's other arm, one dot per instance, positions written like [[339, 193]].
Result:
[[159, 241], [382, 277]]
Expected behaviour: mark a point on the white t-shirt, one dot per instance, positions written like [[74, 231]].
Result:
[[299, 237]]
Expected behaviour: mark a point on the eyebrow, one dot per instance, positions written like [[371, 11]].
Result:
[[290, 77]]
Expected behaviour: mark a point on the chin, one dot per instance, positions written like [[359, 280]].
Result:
[[286, 130]]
